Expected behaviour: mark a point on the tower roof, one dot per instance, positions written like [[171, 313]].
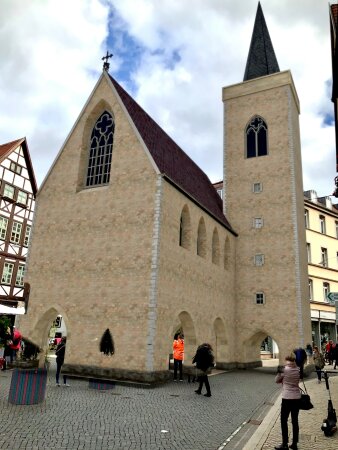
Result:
[[261, 58]]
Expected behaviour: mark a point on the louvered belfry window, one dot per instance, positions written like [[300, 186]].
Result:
[[101, 149]]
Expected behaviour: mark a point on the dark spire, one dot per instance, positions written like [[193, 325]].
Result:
[[261, 58]]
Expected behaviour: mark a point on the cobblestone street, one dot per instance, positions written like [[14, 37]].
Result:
[[168, 417]]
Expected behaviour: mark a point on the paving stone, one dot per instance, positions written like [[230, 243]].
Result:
[[79, 418]]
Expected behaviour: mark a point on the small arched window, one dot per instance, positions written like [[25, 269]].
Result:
[[100, 152], [226, 253], [185, 228], [256, 138], [202, 239], [215, 247]]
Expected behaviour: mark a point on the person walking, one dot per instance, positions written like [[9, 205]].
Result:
[[335, 355], [16, 344], [329, 354], [7, 350], [60, 357], [289, 377], [178, 351], [204, 360], [319, 362]]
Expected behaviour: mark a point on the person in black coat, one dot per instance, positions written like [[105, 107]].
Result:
[[60, 357], [204, 360]]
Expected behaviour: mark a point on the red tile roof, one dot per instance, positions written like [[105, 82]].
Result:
[[6, 149], [172, 161]]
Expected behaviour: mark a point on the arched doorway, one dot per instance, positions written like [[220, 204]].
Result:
[[262, 350], [185, 326]]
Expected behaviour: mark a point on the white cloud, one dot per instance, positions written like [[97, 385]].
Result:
[[50, 51], [47, 51]]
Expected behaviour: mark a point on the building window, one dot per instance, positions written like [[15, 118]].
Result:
[[259, 298], [7, 273], [307, 218], [9, 191], [258, 222], [16, 232], [20, 275], [3, 227], [27, 235], [227, 250], [259, 260], [22, 198], [326, 291], [324, 257], [310, 290], [15, 168], [256, 138], [220, 192], [257, 188], [201, 239], [215, 247], [308, 249], [185, 228], [101, 149], [322, 224]]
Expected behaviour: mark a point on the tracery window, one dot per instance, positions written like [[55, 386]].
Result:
[[256, 138], [101, 149]]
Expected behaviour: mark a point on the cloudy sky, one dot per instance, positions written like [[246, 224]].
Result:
[[173, 56]]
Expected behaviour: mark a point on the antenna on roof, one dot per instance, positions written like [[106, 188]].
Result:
[[106, 63]]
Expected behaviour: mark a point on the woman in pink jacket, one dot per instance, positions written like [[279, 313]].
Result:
[[289, 377]]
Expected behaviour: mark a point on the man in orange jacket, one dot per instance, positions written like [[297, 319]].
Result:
[[178, 350]]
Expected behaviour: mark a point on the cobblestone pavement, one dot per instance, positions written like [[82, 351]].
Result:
[[310, 422], [168, 417]]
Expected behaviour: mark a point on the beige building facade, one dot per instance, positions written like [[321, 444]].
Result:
[[321, 221], [144, 245]]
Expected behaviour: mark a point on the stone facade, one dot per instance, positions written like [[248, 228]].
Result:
[[142, 257], [282, 278]]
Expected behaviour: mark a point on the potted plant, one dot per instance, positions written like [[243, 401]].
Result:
[[28, 384]]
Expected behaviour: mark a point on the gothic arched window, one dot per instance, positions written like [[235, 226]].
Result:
[[256, 138], [100, 152]]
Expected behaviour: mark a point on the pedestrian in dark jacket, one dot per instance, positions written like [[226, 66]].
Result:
[[60, 357], [335, 355], [204, 360]]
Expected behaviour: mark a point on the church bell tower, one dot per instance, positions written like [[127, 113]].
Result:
[[263, 200]]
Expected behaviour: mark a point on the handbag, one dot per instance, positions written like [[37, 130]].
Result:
[[305, 400]]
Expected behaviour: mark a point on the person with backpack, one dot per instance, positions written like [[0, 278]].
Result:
[[204, 360]]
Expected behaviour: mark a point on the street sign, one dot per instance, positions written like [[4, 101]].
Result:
[[332, 297]]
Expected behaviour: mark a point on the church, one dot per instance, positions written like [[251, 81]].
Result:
[[143, 245]]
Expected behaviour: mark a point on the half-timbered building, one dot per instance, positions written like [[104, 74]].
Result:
[[17, 199]]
